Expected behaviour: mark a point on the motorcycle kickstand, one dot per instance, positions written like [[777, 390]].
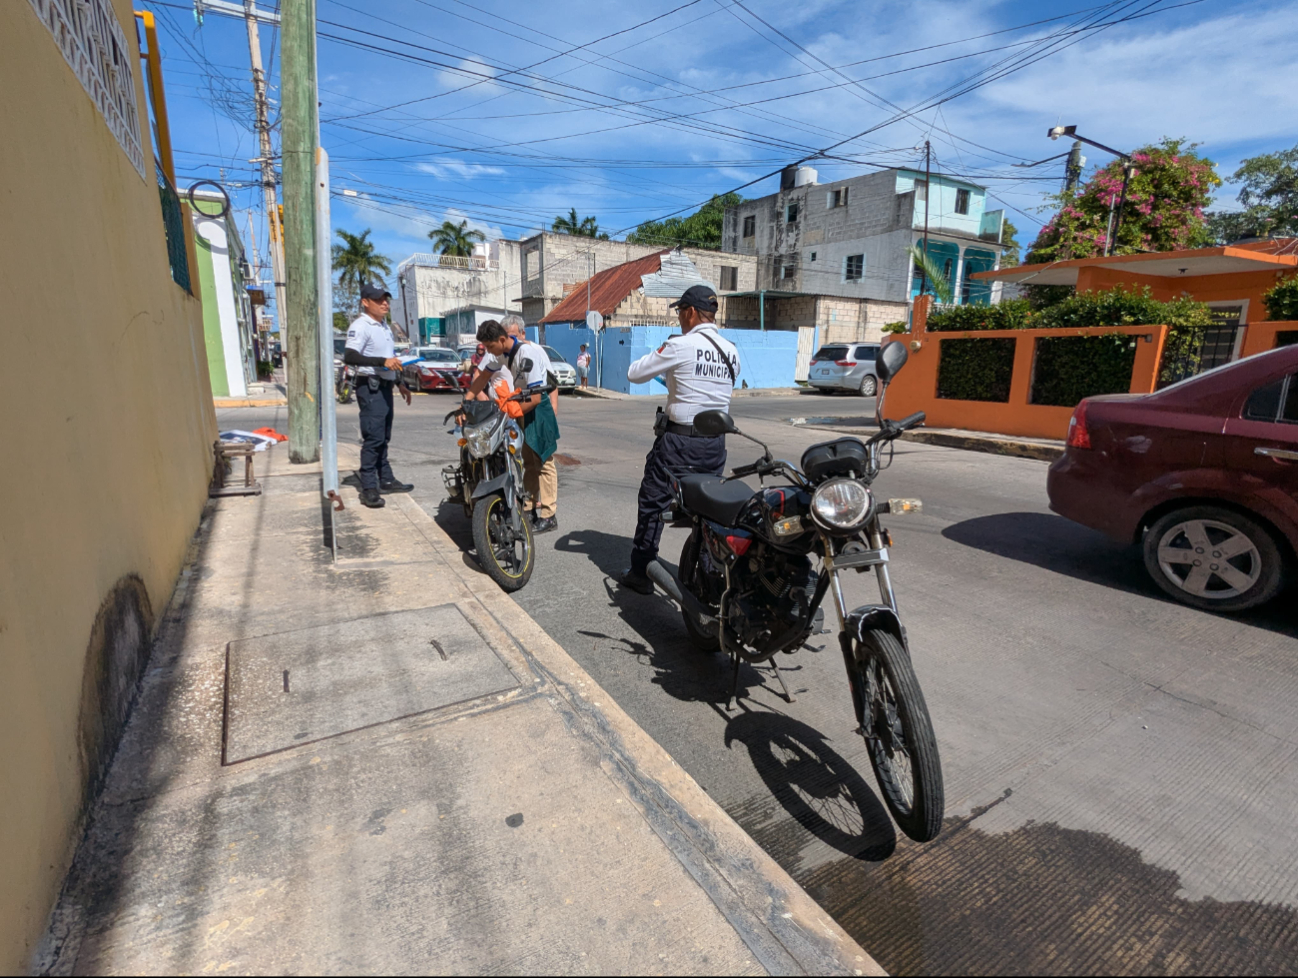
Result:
[[734, 690], [787, 695]]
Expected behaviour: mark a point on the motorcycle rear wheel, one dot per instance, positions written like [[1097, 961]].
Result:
[[899, 734], [499, 546], [700, 638]]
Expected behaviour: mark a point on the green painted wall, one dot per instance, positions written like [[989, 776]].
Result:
[[211, 318]]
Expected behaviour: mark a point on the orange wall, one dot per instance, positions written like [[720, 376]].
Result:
[[1230, 287]]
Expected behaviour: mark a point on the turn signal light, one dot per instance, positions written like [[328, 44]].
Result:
[[899, 506], [462, 442], [1078, 434]]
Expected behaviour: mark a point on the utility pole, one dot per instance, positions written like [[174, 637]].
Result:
[[300, 320], [928, 188], [1073, 169], [270, 197], [1128, 171]]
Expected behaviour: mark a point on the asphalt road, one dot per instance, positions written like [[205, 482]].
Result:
[[1120, 769]]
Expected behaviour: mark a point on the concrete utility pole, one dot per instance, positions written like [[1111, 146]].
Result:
[[299, 322], [928, 192], [1073, 168], [269, 195]]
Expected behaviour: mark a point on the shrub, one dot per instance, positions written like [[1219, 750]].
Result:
[[1069, 368], [1011, 314], [1282, 300], [976, 369], [897, 327]]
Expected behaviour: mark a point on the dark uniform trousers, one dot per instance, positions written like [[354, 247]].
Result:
[[376, 431], [672, 456]]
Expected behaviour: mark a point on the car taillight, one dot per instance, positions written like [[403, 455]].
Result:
[[845, 363], [1078, 434]]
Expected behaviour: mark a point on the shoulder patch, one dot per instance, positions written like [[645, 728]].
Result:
[[351, 333], [663, 347]]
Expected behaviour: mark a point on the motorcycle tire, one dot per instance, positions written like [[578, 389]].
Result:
[[700, 638], [490, 524], [899, 734]]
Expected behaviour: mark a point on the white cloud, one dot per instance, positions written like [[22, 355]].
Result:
[[447, 168], [473, 73]]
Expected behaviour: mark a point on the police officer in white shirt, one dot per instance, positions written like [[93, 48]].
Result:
[[371, 351], [701, 369], [528, 365]]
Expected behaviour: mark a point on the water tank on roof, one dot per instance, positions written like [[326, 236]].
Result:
[[805, 177]]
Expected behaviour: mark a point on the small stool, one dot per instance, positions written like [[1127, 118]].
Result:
[[226, 452]]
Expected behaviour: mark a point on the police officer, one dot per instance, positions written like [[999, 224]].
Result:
[[371, 350], [701, 370]]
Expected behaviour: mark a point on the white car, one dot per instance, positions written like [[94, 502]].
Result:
[[564, 372]]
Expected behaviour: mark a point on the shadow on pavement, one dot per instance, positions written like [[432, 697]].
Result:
[[821, 791], [1060, 545]]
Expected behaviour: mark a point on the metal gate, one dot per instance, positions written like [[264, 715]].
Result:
[[806, 340]]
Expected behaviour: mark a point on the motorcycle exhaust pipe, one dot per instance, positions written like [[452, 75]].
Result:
[[666, 580]]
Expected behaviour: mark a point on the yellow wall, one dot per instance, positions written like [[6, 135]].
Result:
[[107, 424]]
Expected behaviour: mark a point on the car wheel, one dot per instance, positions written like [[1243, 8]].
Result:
[[869, 385], [1214, 558]]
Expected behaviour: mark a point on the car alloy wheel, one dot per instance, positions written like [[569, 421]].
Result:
[[1213, 558], [869, 384]]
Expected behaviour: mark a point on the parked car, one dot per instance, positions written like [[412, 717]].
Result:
[[1202, 474], [564, 372], [845, 367], [437, 369]]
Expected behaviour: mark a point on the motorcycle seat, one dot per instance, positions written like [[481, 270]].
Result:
[[714, 498]]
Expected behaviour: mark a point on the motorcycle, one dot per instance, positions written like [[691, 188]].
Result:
[[757, 565], [345, 384], [488, 482]]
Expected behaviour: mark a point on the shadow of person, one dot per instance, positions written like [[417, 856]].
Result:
[[1060, 545], [819, 789]]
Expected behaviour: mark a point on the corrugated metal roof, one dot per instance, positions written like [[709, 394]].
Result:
[[607, 290]]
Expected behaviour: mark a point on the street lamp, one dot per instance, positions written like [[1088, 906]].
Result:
[[1128, 171]]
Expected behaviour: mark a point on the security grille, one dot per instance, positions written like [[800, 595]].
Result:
[[173, 224]]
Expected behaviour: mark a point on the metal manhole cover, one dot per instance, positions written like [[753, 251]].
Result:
[[296, 687]]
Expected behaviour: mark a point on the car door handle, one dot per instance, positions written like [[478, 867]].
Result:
[[1284, 454]]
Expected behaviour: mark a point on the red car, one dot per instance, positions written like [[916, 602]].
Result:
[[437, 369], [1203, 474]]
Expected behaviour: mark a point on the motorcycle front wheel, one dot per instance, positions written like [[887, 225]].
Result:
[[505, 554], [898, 734]]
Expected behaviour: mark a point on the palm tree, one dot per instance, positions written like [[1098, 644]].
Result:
[[455, 239], [586, 227], [356, 263], [935, 281]]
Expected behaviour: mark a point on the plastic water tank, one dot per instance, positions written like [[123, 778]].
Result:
[[805, 177]]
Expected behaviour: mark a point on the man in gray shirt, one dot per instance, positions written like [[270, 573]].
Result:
[[370, 349]]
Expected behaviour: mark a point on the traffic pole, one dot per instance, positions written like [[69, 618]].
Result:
[[300, 321]]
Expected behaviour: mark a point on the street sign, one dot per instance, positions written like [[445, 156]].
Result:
[[594, 320]]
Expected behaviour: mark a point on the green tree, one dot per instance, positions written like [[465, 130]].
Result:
[[1269, 195], [1010, 245], [702, 229], [1163, 212], [586, 227], [935, 283], [356, 262], [454, 239]]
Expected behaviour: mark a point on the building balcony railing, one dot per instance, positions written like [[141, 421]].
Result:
[[471, 263]]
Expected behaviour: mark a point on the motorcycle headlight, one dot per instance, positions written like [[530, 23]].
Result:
[[479, 440], [841, 504]]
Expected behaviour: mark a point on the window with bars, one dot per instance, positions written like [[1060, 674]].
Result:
[[791, 214], [853, 268], [729, 278], [789, 271], [750, 226], [962, 202], [836, 198]]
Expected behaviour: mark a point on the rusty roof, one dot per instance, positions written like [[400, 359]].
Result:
[[607, 290]]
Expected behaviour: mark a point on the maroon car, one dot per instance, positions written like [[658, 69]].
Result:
[[1203, 474]]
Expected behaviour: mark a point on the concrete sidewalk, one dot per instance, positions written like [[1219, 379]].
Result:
[[385, 766]]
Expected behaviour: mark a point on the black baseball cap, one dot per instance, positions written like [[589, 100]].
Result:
[[374, 293], [700, 297]]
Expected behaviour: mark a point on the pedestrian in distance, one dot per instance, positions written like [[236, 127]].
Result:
[[583, 365], [371, 350], [701, 369], [528, 365]]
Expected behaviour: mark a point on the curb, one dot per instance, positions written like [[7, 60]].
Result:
[[245, 402], [1043, 451]]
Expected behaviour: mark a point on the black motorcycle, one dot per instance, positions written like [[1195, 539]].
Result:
[[757, 565]]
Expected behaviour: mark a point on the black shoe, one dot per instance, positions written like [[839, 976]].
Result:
[[636, 582], [372, 499], [395, 486], [544, 524]]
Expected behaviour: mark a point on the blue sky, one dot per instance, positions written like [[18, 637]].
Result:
[[508, 113]]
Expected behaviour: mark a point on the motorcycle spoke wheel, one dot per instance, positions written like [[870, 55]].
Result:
[[899, 735], [505, 554]]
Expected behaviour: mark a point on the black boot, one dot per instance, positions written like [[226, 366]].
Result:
[[372, 499], [394, 485]]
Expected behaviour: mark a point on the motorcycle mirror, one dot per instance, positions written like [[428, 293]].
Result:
[[712, 423], [892, 358]]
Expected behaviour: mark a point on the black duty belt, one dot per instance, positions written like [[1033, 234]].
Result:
[[676, 428]]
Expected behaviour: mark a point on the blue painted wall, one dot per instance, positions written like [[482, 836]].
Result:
[[766, 359]]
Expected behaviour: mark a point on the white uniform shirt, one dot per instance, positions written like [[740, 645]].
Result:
[[697, 378], [526, 350], [371, 338]]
